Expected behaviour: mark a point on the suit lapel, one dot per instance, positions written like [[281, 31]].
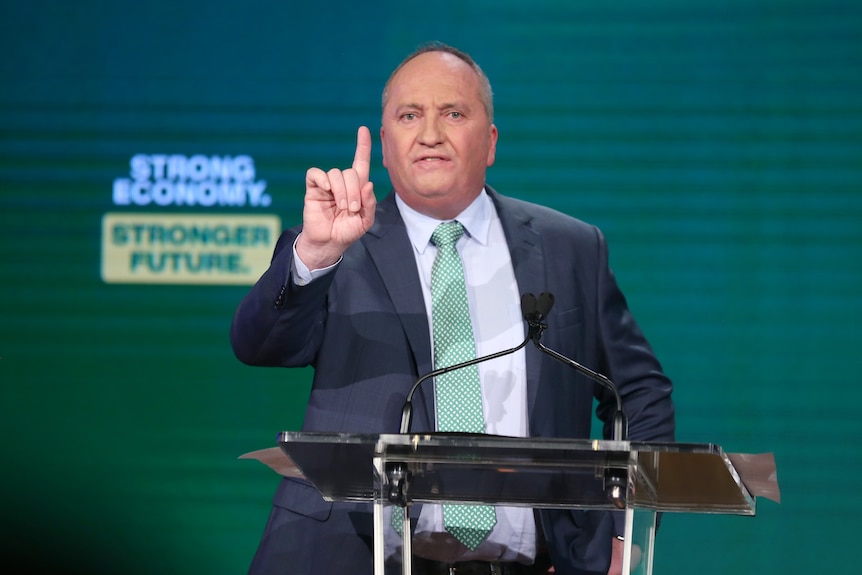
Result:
[[528, 262], [392, 254]]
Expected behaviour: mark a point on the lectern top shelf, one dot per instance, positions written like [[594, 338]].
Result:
[[534, 472]]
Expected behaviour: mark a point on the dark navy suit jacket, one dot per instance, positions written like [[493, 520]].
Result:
[[365, 330]]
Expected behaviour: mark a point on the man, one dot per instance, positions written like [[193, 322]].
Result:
[[351, 294]]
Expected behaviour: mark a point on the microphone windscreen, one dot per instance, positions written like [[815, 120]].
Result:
[[528, 306], [544, 304]]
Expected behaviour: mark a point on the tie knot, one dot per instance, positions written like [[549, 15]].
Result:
[[447, 234]]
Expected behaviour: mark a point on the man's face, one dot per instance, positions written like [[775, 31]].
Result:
[[437, 137]]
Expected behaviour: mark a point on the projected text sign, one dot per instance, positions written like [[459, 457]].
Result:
[[186, 248]]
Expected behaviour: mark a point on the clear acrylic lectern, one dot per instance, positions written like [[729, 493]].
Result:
[[638, 479]]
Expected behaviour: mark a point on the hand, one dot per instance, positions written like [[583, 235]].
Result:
[[617, 550], [339, 208]]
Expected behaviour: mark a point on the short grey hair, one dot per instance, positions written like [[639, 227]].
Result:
[[485, 92]]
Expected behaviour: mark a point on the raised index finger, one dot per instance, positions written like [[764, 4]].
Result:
[[362, 159]]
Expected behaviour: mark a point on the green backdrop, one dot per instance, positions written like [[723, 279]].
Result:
[[717, 143]]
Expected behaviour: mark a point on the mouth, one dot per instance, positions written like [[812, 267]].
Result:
[[427, 160]]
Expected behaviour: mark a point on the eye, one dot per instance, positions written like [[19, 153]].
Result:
[[408, 117], [456, 115]]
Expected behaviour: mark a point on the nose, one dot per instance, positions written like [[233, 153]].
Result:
[[432, 131]]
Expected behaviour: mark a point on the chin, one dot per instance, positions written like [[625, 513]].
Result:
[[439, 204]]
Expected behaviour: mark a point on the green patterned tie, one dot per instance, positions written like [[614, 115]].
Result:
[[458, 393]]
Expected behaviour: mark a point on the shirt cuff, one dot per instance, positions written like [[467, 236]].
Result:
[[300, 273]]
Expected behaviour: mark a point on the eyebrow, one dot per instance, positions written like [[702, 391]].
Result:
[[445, 106]]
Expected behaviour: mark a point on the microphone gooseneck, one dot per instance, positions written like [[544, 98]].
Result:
[[407, 410], [534, 311]]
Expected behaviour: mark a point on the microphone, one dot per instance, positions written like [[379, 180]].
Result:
[[535, 310]]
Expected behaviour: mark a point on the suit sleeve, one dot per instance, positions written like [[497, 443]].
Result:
[[630, 362], [628, 359], [279, 323]]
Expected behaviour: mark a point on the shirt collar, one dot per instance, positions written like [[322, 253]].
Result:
[[476, 219]]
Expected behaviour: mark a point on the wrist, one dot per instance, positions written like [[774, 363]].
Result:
[[315, 256]]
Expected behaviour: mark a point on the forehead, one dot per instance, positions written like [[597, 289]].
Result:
[[434, 75]]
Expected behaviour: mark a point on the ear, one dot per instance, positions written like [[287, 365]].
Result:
[[492, 145], [383, 145]]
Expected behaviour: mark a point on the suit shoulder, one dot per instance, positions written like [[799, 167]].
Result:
[[547, 220]]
